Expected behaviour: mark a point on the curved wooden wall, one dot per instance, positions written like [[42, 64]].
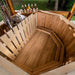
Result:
[[62, 27]]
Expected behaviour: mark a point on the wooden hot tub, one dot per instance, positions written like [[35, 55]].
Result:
[[41, 42]]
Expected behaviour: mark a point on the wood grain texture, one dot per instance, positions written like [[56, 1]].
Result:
[[13, 38], [43, 48], [16, 38], [16, 31], [8, 42], [61, 26], [6, 51], [41, 19]]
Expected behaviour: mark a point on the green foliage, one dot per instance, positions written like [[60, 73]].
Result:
[[73, 18], [69, 5], [42, 4]]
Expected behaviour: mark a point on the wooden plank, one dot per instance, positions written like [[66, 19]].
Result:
[[22, 32], [31, 22], [13, 38], [41, 19], [35, 18], [11, 6], [71, 48], [27, 24], [25, 29], [9, 43], [64, 13], [16, 31], [34, 23], [67, 40], [6, 52], [48, 22]]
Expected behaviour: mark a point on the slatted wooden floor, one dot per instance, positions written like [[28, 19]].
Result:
[[38, 52]]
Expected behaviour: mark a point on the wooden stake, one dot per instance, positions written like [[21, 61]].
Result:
[[72, 12], [11, 7]]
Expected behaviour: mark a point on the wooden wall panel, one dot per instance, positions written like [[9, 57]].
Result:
[[22, 33], [61, 26], [9, 43], [48, 22], [16, 31], [14, 40], [41, 19], [25, 30]]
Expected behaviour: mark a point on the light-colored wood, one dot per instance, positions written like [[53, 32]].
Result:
[[8, 68], [64, 13], [25, 30], [16, 38], [41, 19], [5, 51], [13, 38], [8, 42], [27, 24], [22, 32], [16, 31]]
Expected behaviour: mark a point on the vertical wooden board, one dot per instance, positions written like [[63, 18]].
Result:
[[30, 18], [27, 26], [34, 22], [35, 18], [49, 20], [41, 19], [25, 30], [6, 52], [13, 38], [31, 23], [71, 48], [18, 36], [65, 31], [69, 38], [60, 26], [8, 42], [22, 32], [54, 22]]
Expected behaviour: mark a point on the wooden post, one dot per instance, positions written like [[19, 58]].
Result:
[[11, 7], [72, 12]]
